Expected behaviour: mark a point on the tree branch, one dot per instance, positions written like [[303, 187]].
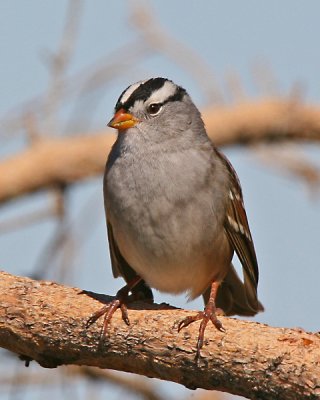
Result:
[[268, 120], [46, 322], [63, 161]]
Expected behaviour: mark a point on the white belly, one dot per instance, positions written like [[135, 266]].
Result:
[[172, 257]]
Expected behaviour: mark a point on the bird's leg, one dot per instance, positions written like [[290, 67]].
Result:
[[209, 314], [121, 300]]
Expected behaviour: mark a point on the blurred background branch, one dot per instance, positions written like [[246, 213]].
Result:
[[81, 157]]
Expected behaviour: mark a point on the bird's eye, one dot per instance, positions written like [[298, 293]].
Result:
[[154, 108]]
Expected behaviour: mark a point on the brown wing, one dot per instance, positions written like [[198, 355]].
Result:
[[238, 231], [115, 255], [120, 267]]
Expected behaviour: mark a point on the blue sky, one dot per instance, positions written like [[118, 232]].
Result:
[[231, 37]]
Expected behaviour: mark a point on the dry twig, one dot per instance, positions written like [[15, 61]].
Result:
[[158, 40]]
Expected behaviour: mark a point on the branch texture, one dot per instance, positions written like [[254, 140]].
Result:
[[62, 161], [46, 322]]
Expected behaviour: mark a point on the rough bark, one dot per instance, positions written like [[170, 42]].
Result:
[[62, 161], [46, 322]]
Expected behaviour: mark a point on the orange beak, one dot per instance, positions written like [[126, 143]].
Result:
[[122, 120]]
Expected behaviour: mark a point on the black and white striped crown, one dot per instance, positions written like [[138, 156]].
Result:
[[156, 90]]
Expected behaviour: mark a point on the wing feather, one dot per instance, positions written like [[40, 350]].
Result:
[[238, 232]]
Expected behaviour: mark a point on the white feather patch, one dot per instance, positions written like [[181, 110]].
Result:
[[162, 94], [130, 90]]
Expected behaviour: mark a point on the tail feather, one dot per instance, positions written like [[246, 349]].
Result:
[[235, 297]]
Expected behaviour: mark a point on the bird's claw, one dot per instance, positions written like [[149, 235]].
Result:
[[209, 314], [108, 310]]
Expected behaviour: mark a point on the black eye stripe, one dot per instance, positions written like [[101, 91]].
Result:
[[177, 96], [145, 90]]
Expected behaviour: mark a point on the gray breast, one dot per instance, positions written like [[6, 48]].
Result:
[[160, 206]]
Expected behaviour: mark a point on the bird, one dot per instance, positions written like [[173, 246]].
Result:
[[174, 209]]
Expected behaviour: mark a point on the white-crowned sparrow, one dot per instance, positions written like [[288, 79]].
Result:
[[174, 208]]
